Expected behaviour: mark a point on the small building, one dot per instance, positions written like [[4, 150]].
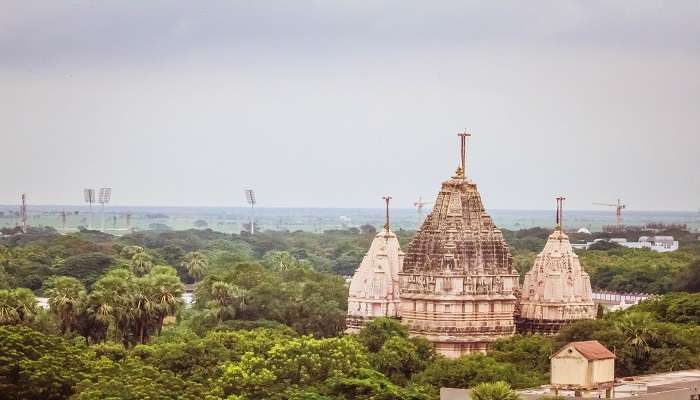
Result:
[[582, 367]]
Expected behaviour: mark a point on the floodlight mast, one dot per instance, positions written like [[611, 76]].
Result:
[[90, 199], [23, 213], [105, 197], [250, 197]]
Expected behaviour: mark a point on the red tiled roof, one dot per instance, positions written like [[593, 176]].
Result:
[[591, 349]]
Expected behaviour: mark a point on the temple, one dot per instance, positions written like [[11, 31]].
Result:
[[556, 290], [457, 280], [374, 289]]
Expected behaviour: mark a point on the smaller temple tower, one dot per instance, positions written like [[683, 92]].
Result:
[[556, 290], [374, 289]]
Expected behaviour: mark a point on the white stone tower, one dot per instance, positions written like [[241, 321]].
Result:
[[374, 289], [556, 290]]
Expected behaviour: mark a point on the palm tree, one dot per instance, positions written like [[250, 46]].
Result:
[[224, 298], [25, 304], [8, 312], [66, 298], [141, 263], [196, 264], [167, 296], [636, 327], [142, 312], [129, 251], [494, 391], [101, 307], [111, 301]]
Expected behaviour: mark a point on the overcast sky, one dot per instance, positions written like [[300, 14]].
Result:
[[335, 103]]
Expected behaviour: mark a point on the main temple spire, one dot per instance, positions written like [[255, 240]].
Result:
[[560, 212]]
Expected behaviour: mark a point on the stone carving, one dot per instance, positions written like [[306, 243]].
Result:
[[563, 290], [375, 284], [459, 229]]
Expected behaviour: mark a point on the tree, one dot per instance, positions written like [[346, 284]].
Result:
[[17, 306], [225, 297], [494, 391], [469, 371], [8, 310], [132, 380], [141, 263], [66, 299], [376, 332], [86, 267], [196, 264], [200, 224], [637, 328], [34, 366], [110, 302], [689, 280], [368, 230], [167, 295], [300, 362]]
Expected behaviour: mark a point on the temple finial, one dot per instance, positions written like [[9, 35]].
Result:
[[461, 172], [560, 212], [387, 199]]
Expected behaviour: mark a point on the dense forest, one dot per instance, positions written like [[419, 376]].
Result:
[[269, 318]]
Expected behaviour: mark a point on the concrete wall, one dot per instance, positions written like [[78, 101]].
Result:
[[603, 371], [455, 394], [570, 368]]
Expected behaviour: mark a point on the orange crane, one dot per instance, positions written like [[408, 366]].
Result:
[[618, 210]]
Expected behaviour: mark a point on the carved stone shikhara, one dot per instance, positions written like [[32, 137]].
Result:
[[457, 280], [456, 285], [374, 290], [556, 290]]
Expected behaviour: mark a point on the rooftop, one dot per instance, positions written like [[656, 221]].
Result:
[[591, 349]]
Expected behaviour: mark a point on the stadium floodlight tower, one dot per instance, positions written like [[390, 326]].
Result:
[[105, 196], [90, 199], [23, 213], [250, 197]]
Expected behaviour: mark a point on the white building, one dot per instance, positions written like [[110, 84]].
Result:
[[659, 244]]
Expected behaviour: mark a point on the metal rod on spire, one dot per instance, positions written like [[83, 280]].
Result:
[[387, 199], [560, 212], [463, 153]]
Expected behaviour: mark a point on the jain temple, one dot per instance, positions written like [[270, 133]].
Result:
[[456, 286]]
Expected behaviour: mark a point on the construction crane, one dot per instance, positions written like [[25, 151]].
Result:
[[419, 208], [618, 210]]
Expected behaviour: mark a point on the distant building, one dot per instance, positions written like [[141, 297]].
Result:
[[659, 244]]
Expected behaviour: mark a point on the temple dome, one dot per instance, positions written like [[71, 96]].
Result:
[[556, 290], [457, 281], [374, 289]]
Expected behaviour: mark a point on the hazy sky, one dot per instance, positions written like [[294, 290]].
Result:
[[335, 103]]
